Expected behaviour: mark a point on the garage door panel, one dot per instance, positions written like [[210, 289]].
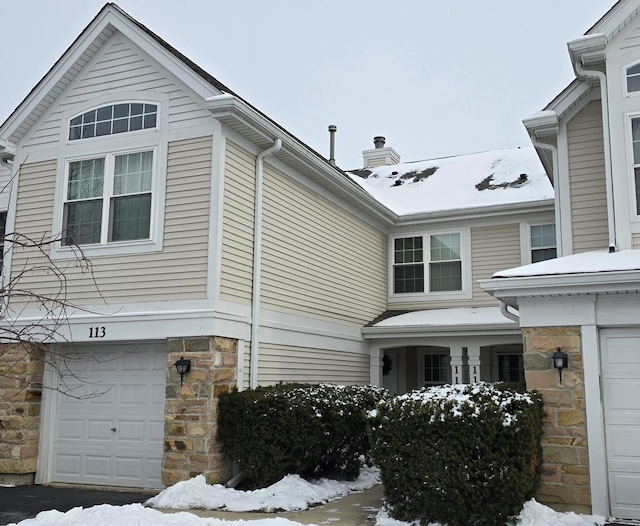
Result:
[[621, 392], [114, 438]]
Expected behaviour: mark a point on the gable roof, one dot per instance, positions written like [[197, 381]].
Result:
[[222, 102], [456, 184]]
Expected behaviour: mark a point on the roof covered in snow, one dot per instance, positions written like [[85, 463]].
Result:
[[493, 178], [442, 317], [584, 263]]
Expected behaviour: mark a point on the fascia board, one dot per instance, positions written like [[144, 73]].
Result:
[[433, 331], [614, 20], [513, 209], [563, 284], [228, 106]]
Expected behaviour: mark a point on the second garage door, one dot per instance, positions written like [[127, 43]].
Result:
[[109, 430], [621, 387]]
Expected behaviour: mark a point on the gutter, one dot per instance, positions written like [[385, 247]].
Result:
[[257, 263], [593, 47]]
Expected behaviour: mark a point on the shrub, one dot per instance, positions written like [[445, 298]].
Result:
[[294, 428], [458, 455]]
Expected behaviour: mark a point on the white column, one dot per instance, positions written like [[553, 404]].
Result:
[[375, 364], [456, 355], [474, 363]]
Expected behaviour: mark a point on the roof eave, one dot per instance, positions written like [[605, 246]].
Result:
[[524, 207], [249, 122], [421, 331]]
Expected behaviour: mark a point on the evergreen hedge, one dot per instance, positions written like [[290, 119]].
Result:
[[458, 455], [296, 428]]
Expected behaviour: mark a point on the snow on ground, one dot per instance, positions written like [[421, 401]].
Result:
[[291, 493]]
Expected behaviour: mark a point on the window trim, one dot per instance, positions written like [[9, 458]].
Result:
[[465, 258], [108, 195], [121, 143], [625, 89], [530, 247], [633, 201]]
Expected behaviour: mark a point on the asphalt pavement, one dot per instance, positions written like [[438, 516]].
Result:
[[24, 502]]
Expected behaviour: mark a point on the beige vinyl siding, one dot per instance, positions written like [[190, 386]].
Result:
[[636, 241], [493, 248], [237, 225], [319, 260], [587, 180], [282, 363], [177, 272], [121, 67]]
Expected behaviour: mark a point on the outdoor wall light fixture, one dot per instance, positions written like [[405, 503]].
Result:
[[183, 367], [560, 361]]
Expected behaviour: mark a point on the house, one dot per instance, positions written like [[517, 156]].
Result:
[[459, 219], [174, 223], [585, 304]]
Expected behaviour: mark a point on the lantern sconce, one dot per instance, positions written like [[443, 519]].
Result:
[[560, 361], [183, 367]]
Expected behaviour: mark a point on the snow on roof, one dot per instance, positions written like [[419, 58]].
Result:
[[587, 262], [442, 317], [491, 178]]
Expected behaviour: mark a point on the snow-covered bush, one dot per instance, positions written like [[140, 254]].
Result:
[[458, 455], [296, 429]]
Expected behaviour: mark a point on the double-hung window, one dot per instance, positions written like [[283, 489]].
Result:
[[635, 144], [633, 78], [543, 242], [108, 198], [429, 263]]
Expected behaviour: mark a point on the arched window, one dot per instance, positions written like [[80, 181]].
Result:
[[116, 118]]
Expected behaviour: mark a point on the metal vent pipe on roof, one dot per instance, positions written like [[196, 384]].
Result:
[[332, 144], [379, 141]]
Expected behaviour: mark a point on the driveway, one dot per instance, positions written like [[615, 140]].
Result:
[[24, 502]]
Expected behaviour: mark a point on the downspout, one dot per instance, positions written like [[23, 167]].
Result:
[[257, 263], [613, 244], [504, 309], [556, 189]]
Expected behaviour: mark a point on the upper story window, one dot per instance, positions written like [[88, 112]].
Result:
[[108, 199], [116, 118], [633, 78], [430, 263], [635, 144], [543, 242]]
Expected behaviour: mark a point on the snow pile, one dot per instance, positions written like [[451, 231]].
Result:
[[533, 514], [138, 515], [292, 493]]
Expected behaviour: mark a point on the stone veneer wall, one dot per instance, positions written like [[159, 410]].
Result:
[[565, 476], [21, 371], [190, 446]]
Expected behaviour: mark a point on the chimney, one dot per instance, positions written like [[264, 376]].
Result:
[[332, 144], [381, 155]]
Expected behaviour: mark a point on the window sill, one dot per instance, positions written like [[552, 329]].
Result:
[[417, 297], [111, 249]]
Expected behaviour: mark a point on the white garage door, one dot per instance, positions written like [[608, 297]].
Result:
[[111, 431], [621, 388]]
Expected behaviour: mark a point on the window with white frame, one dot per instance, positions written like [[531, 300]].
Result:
[[633, 78], [108, 198], [429, 263], [635, 145], [543, 242], [113, 119]]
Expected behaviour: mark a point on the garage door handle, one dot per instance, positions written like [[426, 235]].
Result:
[[113, 429]]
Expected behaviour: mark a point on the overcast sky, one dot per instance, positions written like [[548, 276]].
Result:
[[435, 77]]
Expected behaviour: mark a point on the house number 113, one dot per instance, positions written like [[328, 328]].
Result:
[[97, 332]]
